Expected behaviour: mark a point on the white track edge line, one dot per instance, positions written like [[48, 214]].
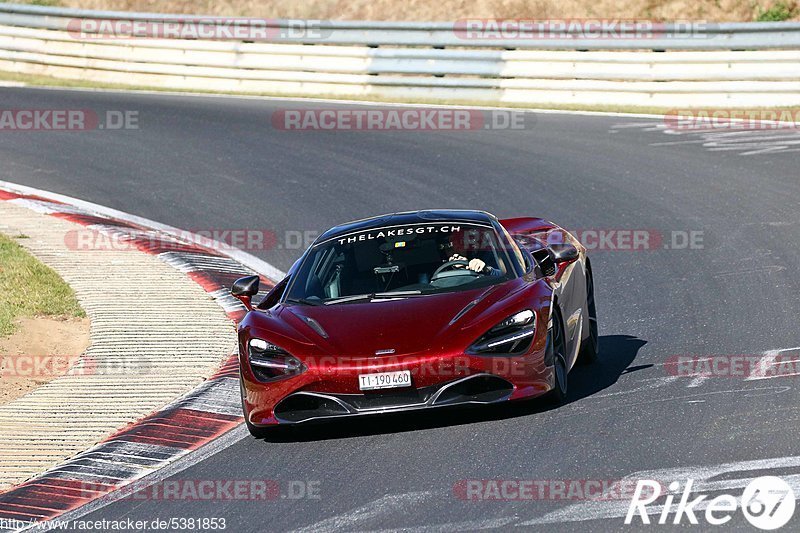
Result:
[[122, 90], [258, 265], [178, 465], [339, 101]]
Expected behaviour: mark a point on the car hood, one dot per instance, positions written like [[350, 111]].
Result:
[[408, 325]]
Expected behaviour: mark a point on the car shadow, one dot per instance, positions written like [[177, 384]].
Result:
[[617, 352]]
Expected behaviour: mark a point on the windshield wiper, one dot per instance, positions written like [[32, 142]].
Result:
[[304, 301], [345, 299], [372, 296], [396, 294]]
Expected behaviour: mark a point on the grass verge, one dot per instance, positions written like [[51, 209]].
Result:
[[28, 288]]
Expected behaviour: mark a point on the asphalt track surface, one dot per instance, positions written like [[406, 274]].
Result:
[[198, 162]]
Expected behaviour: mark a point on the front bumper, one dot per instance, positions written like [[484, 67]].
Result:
[[478, 389], [319, 394]]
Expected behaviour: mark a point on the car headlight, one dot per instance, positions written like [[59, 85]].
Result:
[[512, 336], [270, 362], [520, 319]]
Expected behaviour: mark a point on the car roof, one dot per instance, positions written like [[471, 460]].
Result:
[[408, 218]]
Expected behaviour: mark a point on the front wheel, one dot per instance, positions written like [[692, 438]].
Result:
[[557, 347]]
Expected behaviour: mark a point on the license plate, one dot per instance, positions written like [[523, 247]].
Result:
[[385, 380]]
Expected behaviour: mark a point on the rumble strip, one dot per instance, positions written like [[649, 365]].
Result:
[[67, 415]]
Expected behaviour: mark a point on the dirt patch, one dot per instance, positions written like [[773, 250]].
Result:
[[449, 10], [40, 350]]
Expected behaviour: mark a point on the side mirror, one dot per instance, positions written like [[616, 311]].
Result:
[[244, 289], [564, 253]]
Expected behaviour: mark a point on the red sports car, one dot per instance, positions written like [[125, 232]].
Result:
[[417, 310]]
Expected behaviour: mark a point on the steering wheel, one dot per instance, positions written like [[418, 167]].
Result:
[[451, 265]]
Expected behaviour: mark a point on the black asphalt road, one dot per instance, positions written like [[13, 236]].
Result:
[[198, 163]]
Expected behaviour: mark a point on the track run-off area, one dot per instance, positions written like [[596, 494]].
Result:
[[717, 279]]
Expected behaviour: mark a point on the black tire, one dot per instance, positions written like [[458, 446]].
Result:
[[591, 346], [556, 341]]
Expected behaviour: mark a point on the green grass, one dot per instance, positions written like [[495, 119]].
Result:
[[779, 12], [47, 3], [28, 288]]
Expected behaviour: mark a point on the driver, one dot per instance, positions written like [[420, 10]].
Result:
[[459, 245], [476, 265]]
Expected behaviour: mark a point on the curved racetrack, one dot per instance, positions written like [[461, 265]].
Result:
[[201, 162]]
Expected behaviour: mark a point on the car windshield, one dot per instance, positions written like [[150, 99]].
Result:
[[400, 261]]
